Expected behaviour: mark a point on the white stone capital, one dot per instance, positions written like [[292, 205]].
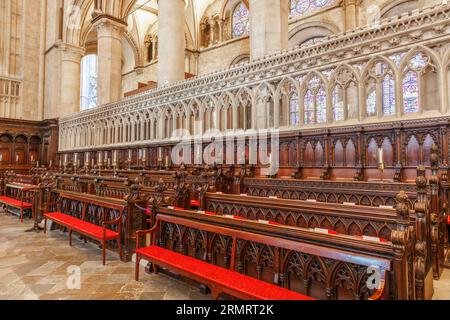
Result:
[[71, 53], [110, 27]]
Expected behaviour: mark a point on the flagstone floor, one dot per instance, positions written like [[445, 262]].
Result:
[[36, 266]]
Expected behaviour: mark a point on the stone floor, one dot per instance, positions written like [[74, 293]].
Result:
[[35, 266]]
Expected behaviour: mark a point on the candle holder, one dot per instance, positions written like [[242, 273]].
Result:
[[87, 167], [380, 163], [114, 166], [381, 170]]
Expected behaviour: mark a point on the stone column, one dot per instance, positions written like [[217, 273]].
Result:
[[202, 35], [70, 79], [212, 31], [221, 24], [269, 27], [351, 14], [109, 55], [154, 43], [172, 43]]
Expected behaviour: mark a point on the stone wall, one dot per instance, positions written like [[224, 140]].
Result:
[[20, 55]]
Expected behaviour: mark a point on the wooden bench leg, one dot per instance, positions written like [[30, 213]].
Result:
[[45, 225], [119, 244], [138, 263], [104, 251], [70, 237], [21, 215], [215, 293]]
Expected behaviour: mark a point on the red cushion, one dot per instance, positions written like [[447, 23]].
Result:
[[247, 285], [448, 220], [15, 203], [76, 224], [195, 203]]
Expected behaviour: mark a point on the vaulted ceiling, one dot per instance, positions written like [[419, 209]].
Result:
[[141, 16]]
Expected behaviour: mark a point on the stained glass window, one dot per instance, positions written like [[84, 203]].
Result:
[[418, 62], [372, 103], [300, 8], [315, 101], [293, 109], [88, 82], [241, 21], [411, 92], [321, 106], [309, 108], [382, 81], [397, 58], [338, 104], [388, 95], [411, 82]]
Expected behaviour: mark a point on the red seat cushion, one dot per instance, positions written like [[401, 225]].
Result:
[[195, 203], [220, 276], [448, 220], [15, 203], [76, 224]]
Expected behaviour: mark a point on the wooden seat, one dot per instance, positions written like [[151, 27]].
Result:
[[195, 203], [15, 203], [219, 280], [81, 226], [18, 204], [88, 229]]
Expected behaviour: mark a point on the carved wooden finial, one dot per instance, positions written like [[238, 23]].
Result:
[[421, 180], [434, 155], [402, 206]]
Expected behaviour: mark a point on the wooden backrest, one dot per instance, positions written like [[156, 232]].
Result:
[[344, 219], [104, 186], [362, 193], [91, 208], [21, 191], [319, 265]]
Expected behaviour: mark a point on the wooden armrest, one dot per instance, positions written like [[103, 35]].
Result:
[[140, 233], [143, 232]]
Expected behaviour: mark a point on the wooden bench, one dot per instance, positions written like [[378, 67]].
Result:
[[373, 223], [373, 194], [228, 254], [19, 197], [104, 223]]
